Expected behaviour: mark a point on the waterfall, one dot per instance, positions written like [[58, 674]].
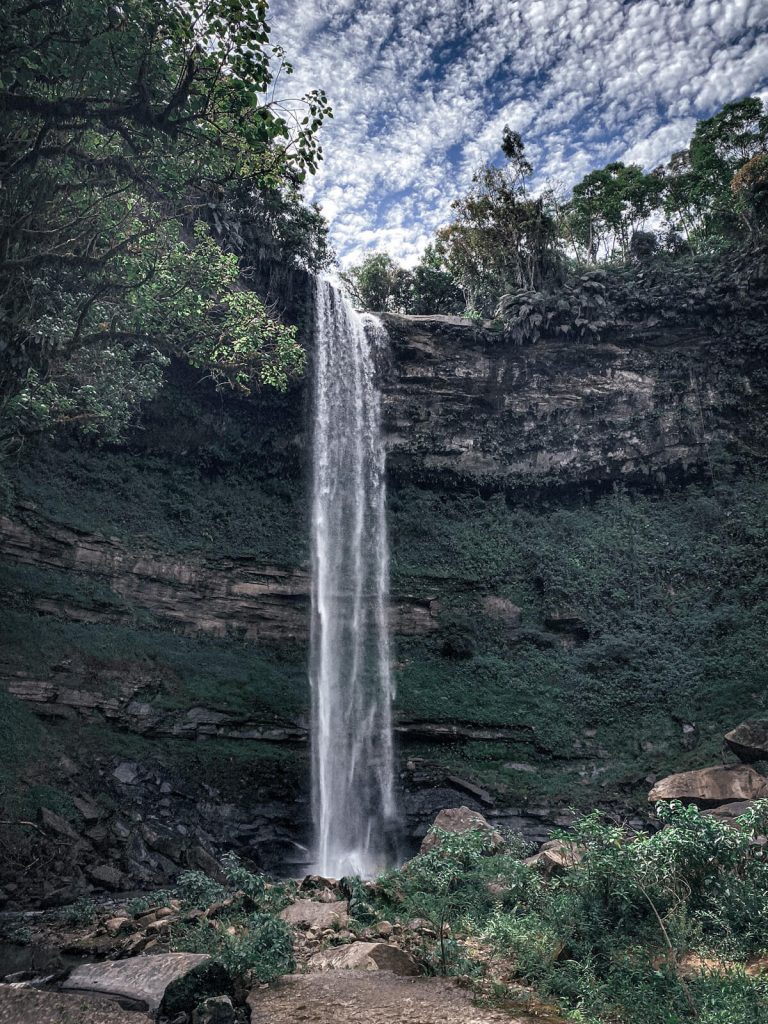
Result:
[[350, 674]]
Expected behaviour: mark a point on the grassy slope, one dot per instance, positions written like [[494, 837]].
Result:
[[671, 589]]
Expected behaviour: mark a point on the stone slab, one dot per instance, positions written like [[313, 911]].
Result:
[[142, 978]]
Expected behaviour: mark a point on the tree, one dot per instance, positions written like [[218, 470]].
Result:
[[120, 125], [379, 284], [608, 206], [502, 238], [433, 289], [714, 190]]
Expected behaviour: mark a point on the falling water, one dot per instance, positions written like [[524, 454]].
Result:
[[353, 803]]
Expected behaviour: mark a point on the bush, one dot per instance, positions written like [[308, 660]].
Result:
[[258, 947], [196, 889], [606, 938], [81, 912]]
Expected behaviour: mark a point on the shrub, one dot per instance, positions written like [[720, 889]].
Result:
[[255, 948], [81, 912], [196, 889]]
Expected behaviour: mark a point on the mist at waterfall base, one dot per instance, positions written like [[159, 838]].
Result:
[[353, 800]]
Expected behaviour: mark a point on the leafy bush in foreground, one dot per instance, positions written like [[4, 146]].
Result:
[[645, 929], [256, 948]]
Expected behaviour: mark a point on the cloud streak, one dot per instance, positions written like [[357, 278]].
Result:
[[421, 91]]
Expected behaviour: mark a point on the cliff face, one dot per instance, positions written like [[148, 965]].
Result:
[[461, 405], [576, 530]]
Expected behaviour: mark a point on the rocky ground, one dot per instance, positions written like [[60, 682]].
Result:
[[119, 960]]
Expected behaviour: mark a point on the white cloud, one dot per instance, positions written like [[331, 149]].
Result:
[[421, 90]]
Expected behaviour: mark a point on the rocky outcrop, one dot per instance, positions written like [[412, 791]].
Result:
[[749, 740], [125, 704], [218, 597], [463, 404], [709, 787], [456, 820]]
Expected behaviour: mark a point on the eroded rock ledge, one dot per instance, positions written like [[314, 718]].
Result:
[[217, 597], [461, 404]]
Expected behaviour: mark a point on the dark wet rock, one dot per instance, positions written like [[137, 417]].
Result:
[[55, 823], [127, 772], [106, 876], [749, 740], [461, 406]]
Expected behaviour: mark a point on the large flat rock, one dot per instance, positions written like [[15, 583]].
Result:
[[144, 979], [31, 1006], [362, 997], [709, 787]]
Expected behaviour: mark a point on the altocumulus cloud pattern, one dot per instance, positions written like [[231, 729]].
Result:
[[421, 90]]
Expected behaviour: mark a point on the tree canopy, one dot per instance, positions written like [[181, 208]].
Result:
[[538, 261], [122, 126]]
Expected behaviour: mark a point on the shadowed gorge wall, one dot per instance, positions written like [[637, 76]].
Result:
[[579, 570]]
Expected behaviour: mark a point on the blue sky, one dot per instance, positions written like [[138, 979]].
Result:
[[421, 91]]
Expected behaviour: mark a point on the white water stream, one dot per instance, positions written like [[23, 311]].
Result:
[[350, 674]]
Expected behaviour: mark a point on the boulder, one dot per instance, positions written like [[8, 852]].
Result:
[[731, 811], [127, 772], [311, 914], [749, 741], [456, 820], [555, 856], [107, 876], [709, 787], [144, 979], [365, 956], [52, 822]]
